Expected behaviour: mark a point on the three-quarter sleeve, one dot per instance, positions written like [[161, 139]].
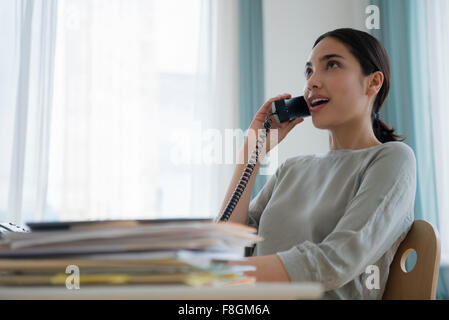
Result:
[[379, 214]]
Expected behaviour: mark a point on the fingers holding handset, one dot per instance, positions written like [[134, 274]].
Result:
[[279, 129], [267, 107]]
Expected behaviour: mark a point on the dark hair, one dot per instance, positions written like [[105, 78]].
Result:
[[372, 57]]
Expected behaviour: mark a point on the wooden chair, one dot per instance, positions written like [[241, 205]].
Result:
[[421, 282]]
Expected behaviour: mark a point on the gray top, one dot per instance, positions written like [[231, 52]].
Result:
[[331, 216]]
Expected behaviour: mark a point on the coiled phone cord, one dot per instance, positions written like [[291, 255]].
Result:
[[246, 175]]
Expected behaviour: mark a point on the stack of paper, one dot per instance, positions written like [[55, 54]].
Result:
[[128, 252]]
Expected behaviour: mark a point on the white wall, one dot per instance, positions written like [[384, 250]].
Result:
[[290, 29]]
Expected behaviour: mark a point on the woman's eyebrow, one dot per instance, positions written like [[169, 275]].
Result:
[[326, 57]]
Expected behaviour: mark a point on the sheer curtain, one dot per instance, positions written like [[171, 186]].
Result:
[[438, 38], [216, 107], [102, 163], [98, 100], [141, 83], [26, 58]]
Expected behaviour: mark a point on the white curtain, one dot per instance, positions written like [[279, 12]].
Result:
[[92, 98], [438, 37], [27, 54], [102, 163], [216, 106]]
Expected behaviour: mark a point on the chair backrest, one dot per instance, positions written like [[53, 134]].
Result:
[[421, 282]]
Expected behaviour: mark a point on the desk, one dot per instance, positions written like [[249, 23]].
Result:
[[258, 291]]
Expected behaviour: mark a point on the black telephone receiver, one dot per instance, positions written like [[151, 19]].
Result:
[[282, 111], [290, 109]]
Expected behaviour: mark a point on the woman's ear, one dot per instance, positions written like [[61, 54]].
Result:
[[376, 79]]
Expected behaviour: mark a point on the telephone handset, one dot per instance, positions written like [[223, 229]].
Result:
[[282, 111], [290, 109]]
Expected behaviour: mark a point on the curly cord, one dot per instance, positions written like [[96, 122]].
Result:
[[246, 175]]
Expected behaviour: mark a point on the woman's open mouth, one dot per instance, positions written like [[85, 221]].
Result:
[[318, 105]]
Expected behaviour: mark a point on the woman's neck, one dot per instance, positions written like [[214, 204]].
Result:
[[357, 136]]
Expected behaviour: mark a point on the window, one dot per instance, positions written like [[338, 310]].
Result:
[[125, 73]]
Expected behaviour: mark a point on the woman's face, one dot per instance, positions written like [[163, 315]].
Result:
[[334, 73]]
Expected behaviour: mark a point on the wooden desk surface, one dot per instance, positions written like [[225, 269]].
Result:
[[258, 291]]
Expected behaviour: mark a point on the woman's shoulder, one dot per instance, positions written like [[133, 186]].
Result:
[[393, 160], [397, 151]]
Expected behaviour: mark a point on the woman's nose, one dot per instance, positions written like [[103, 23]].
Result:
[[313, 82]]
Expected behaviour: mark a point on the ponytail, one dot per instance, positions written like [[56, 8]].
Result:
[[382, 131]]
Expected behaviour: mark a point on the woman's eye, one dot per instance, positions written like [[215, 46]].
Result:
[[332, 63]]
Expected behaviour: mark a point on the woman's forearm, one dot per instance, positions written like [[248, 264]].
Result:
[[268, 268]]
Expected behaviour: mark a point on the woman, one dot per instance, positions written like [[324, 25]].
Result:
[[331, 217]]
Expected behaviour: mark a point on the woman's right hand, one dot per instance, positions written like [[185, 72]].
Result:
[[282, 129]]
